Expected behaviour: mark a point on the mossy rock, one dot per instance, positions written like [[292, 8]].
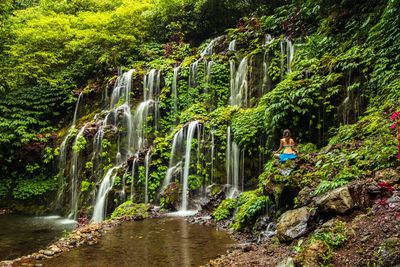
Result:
[[130, 208]]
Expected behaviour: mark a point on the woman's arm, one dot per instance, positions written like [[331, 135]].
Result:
[[280, 147]]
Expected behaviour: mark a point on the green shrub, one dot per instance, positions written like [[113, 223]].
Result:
[[250, 207], [225, 209]]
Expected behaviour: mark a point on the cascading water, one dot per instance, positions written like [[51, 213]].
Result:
[[232, 164], [173, 163], [62, 163], [232, 46], [288, 50], [175, 94], [122, 89], [147, 165], [75, 173], [266, 79], [135, 159], [190, 134], [123, 186], [212, 155], [239, 86], [105, 187], [193, 71]]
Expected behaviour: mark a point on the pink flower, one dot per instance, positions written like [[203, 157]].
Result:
[[393, 126]]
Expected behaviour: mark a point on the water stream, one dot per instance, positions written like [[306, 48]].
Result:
[[159, 242]]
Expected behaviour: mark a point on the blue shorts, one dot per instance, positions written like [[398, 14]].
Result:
[[285, 157]]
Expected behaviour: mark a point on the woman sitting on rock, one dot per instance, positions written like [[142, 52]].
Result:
[[287, 144]]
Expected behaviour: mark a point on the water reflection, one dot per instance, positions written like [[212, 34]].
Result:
[[22, 235], [167, 241]]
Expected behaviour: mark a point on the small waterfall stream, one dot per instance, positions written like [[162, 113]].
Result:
[[190, 134], [288, 50], [174, 165], [62, 161], [239, 84], [147, 166], [232, 164], [75, 174], [135, 159], [105, 187]]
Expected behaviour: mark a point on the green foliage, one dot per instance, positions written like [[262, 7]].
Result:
[[248, 126], [37, 186], [117, 181], [85, 185], [80, 144], [225, 209], [130, 208], [333, 234], [249, 207], [197, 111], [5, 187], [306, 148]]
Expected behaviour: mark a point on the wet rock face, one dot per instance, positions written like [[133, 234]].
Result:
[[294, 223], [91, 129], [338, 201], [171, 197], [212, 202]]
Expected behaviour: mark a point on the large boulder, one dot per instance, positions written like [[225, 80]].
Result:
[[338, 201], [294, 223]]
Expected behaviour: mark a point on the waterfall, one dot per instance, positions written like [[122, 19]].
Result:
[[62, 161], [287, 50], [147, 165], [193, 71], [123, 186], [208, 51], [135, 159], [151, 89], [176, 143], [140, 123], [207, 76], [239, 86], [105, 187], [266, 79], [122, 89], [174, 109], [74, 175], [212, 155], [232, 164], [190, 134], [232, 46]]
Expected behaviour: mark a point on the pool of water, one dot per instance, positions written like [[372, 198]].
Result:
[[168, 241], [22, 235]]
